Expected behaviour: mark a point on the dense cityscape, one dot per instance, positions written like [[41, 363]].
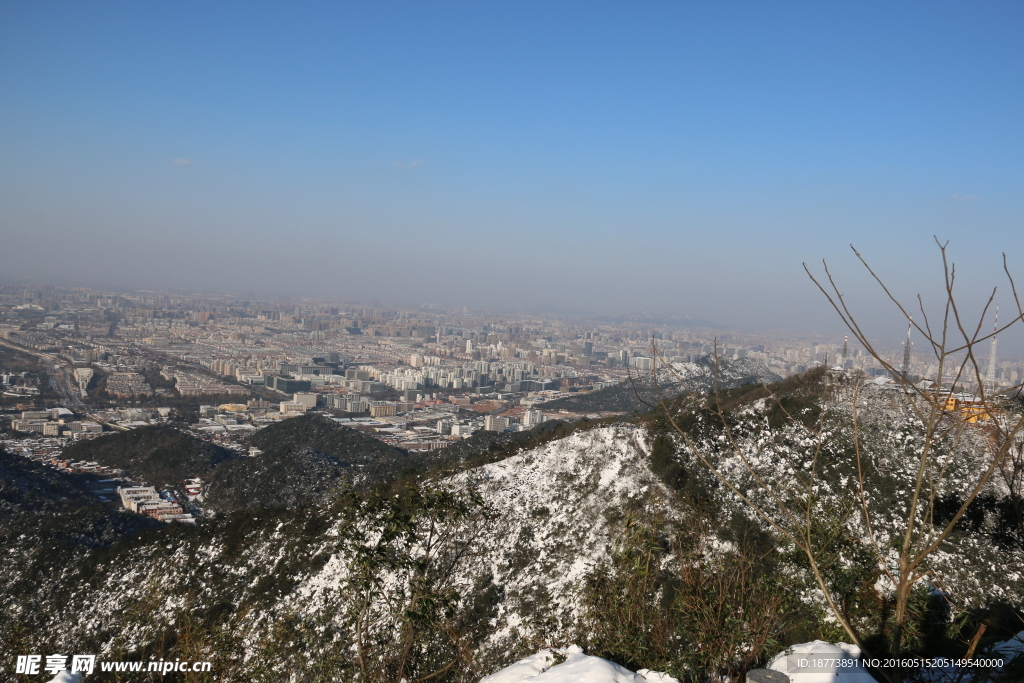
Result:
[[107, 349], [80, 362]]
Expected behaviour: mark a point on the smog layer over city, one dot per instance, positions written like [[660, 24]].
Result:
[[512, 342]]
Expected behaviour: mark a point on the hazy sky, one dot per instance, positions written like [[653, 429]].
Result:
[[613, 157]]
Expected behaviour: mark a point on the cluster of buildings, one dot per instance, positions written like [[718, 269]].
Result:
[[190, 383], [54, 422], [233, 420], [22, 385], [42, 449], [130, 417], [108, 485], [128, 385], [145, 500], [371, 361], [419, 379]]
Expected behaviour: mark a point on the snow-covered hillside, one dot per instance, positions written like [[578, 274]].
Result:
[[494, 562], [546, 520], [553, 509], [700, 375]]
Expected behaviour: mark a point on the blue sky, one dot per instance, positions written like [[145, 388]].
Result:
[[596, 156]]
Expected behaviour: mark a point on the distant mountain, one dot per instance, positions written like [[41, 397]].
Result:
[[323, 435], [370, 457], [699, 376], [305, 459], [159, 455]]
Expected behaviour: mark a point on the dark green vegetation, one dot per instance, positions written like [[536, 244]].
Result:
[[304, 459], [26, 486], [1001, 518], [96, 391], [317, 433], [799, 395], [151, 373], [664, 602], [17, 362], [300, 476], [429, 629], [487, 447], [650, 620], [159, 455], [618, 398]]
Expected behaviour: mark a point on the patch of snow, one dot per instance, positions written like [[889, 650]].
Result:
[[821, 662], [577, 667], [1008, 649], [66, 677]]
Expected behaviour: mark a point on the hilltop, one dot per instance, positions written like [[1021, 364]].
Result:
[[29, 486], [320, 434], [307, 459], [303, 459], [159, 455], [302, 475]]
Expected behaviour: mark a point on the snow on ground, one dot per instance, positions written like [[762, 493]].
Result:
[[571, 665], [1009, 649], [821, 662], [549, 521], [553, 514], [66, 677]]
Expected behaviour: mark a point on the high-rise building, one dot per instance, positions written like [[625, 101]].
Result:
[[641, 363], [532, 418], [305, 398], [493, 423]]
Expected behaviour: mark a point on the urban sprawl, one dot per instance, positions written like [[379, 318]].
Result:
[[79, 362]]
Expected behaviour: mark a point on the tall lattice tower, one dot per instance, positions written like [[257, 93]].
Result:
[[990, 372], [905, 370]]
